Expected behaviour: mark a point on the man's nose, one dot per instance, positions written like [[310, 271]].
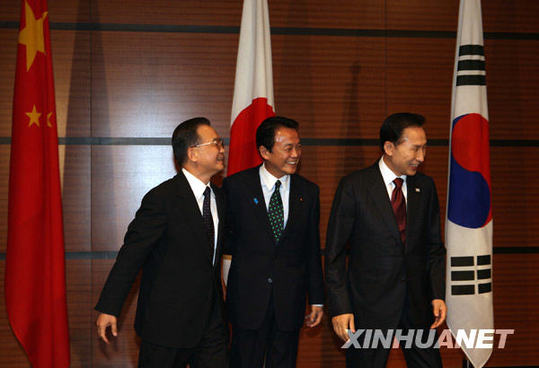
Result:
[[420, 155]]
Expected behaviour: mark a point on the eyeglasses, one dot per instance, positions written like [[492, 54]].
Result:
[[218, 142]]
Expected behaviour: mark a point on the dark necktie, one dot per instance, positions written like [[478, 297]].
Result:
[[399, 207], [275, 212], [207, 218]]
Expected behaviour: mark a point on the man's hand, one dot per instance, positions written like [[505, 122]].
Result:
[[315, 317], [440, 311], [342, 323], [103, 321]]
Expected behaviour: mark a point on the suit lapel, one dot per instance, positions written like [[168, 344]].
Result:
[[413, 197], [220, 213], [294, 201], [192, 211], [256, 200], [379, 193]]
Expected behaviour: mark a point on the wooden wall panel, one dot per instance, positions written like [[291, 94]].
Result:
[[515, 280], [422, 15], [419, 76], [283, 13], [123, 350], [146, 87], [333, 86], [513, 88], [510, 16], [72, 73], [121, 175], [498, 15], [4, 182], [76, 197], [186, 12], [79, 303], [8, 50]]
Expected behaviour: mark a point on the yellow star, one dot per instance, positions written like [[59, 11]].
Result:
[[32, 35], [34, 117], [49, 115]]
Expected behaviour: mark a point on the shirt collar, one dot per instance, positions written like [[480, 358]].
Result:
[[268, 180], [387, 174], [197, 186]]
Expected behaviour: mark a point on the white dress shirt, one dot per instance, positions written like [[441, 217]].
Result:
[[198, 188], [389, 176], [268, 186]]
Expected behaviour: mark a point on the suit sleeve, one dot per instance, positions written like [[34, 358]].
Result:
[[341, 222], [314, 262], [142, 235], [436, 249]]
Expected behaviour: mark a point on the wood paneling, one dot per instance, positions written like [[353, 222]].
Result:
[[145, 87], [422, 15], [498, 15], [419, 76], [8, 57], [301, 13], [4, 182], [76, 197], [333, 86], [121, 175], [513, 88], [515, 280], [123, 350]]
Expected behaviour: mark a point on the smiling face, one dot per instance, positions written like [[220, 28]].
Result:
[[283, 159], [209, 154], [405, 157]]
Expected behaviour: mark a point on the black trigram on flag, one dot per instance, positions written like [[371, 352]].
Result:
[[471, 275], [471, 66]]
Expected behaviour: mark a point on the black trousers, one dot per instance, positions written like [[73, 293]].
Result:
[[266, 346], [211, 351], [415, 356]]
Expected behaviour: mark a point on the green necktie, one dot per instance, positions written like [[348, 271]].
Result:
[[275, 212]]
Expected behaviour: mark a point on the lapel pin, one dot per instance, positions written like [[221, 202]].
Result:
[[417, 190], [300, 198], [255, 200]]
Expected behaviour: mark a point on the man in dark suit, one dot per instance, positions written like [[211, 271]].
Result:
[[175, 239], [389, 215], [274, 241]]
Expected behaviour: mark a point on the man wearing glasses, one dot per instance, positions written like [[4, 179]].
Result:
[[175, 239], [273, 237]]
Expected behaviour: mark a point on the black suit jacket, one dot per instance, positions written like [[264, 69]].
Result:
[[289, 269], [179, 285], [384, 277]]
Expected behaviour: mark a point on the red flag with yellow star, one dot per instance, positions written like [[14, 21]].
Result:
[[35, 266]]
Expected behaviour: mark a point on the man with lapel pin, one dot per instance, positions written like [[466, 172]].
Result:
[[389, 215], [273, 237], [175, 239]]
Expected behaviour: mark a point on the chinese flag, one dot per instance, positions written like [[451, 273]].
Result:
[[35, 269], [253, 87]]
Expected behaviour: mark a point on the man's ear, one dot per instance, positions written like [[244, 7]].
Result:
[[264, 152], [388, 148], [192, 154]]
